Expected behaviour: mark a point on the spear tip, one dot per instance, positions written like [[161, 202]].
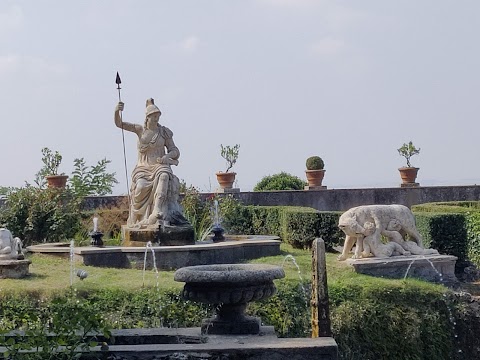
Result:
[[118, 81]]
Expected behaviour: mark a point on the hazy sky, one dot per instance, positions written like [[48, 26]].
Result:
[[350, 81]]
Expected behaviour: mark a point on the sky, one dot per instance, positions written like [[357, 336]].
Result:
[[349, 81]]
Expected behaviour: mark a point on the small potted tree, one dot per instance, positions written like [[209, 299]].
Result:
[[315, 172], [51, 162], [230, 154], [408, 173]]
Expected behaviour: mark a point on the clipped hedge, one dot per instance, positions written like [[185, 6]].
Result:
[[453, 228], [300, 226], [295, 225], [377, 319], [266, 220], [446, 233], [473, 231]]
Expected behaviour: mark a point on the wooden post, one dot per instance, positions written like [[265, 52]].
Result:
[[320, 311]]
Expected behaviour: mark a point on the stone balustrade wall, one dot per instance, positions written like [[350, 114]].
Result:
[[334, 199]]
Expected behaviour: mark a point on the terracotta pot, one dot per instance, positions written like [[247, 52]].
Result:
[[57, 181], [226, 180], [408, 174], [315, 177]]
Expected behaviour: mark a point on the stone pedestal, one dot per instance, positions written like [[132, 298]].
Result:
[[231, 319], [14, 269], [161, 235], [433, 268], [228, 190], [308, 187], [409, 185]]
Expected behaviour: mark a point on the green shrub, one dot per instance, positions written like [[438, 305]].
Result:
[[57, 329], [198, 213], [297, 226], [328, 229], [371, 318], [473, 233], [41, 215], [110, 223], [266, 220], [235, 218], [461, 227], [300, 226], [445, 232], [91, 180], [281, 181]]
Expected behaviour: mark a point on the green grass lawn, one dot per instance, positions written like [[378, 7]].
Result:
[[51, 274]]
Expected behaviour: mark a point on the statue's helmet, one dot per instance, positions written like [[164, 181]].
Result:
[[151, 108]]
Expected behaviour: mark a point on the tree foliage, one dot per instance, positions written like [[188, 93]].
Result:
[[281, 181], [91, 180], [40, 215]]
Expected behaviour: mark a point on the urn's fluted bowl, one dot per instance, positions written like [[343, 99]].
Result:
[[229, 283], [229, 273]]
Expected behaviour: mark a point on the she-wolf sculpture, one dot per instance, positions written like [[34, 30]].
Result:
[[391, 221]]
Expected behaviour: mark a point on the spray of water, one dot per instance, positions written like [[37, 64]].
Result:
[[440, 275], [451, 318], [72, 263], [147, 247], [216, 220], [294, 262]]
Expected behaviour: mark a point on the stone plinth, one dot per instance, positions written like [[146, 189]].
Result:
[[228, 190], [308, 187], [409, 185], [188, 343], [14, 269], [164, 236], [433, 268]]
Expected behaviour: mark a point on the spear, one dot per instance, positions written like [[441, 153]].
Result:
[[118, 81]]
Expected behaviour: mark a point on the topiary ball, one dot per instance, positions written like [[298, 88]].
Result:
[[315, 163]]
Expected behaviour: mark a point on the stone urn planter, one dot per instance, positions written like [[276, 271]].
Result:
[[314, 177], [408, 175], [56, 181], [226, 179], [229, 287], [314, 173]]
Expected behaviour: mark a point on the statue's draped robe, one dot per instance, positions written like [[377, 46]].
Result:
[[145, 176]]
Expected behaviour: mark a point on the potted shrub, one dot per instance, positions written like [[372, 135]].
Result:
[[51, 162], [230, 154], [315, 171], [408, 173]]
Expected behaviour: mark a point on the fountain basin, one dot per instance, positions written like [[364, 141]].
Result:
[[235, 249], [230, 287]]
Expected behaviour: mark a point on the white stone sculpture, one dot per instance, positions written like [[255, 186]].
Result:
[[380, 250], [154, 190], [393, 234], [352, 223], [10, 247]]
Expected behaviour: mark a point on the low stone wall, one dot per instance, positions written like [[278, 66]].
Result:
[[335, 199]]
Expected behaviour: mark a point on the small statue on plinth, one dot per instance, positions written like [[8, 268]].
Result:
[[218, 234], [96, 235]]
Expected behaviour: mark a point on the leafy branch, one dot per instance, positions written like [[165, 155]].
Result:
[[407, 151], [230, 154]]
